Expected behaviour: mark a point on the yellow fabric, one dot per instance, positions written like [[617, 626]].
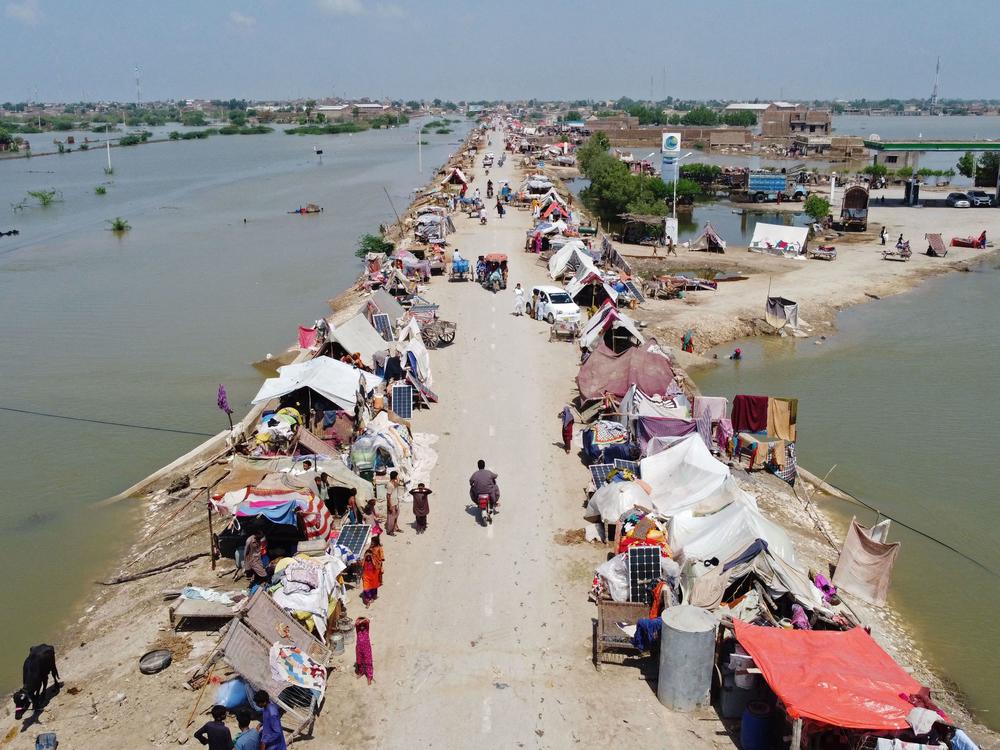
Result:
[[780, 422]]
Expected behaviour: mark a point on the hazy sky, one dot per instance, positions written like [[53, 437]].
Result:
[[792, 49]]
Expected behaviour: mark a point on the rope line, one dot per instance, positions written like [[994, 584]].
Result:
[[104, 422]]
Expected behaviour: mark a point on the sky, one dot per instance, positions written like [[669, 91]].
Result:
[[68, 50]]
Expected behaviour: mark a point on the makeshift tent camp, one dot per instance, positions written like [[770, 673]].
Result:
[[570, 258], [686, 476], [778, 239], [865, 565], [553, 211], [331, 379], [607, 372], [609, 320], [709, 240], [780, 312], [357, 335], [412, 347], [838, 678], [548, 228], [455, 177]]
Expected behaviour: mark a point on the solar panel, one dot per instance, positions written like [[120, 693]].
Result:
[[355, 536], [383, 325], [643, 573], [632, 466], [402, 400], [630, 285], [600, 473]]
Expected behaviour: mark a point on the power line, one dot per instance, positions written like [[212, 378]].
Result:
[[104, 422]]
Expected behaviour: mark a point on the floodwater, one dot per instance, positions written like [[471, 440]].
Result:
[[143, 328], [902, 402]]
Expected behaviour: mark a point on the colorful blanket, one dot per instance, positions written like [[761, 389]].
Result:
[[289, 664]]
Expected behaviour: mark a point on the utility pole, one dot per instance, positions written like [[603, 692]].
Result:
[[138, 89]]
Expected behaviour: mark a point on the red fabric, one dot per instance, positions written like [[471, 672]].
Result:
[[307, 337], [605, 371], [839, 678], [749, 414]]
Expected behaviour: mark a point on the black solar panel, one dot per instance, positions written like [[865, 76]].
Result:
[[634, 289], [402, 400], [383, 325], [643, 573], [354, 536], [600, 473], [632, 466]]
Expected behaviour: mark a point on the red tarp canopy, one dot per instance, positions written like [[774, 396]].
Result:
[[840, 678], [605, 371]]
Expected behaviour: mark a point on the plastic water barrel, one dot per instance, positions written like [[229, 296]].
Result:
[[687, 656], [337, 643], [755, 726]]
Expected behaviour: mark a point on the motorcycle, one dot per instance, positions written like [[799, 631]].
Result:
[[486, 509]]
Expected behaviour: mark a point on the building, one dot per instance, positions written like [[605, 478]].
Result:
[[616, 122], [781, 119]]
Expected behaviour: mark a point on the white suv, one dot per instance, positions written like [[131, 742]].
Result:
[[553, 303]]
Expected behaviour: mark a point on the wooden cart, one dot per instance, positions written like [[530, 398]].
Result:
[[609, 637], [564, 330]]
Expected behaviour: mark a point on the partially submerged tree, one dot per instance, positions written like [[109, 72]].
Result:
[[44, 197], [372, 243], [118, 224], [817, 207]]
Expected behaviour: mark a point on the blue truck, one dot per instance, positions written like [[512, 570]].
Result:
[[769, 186]]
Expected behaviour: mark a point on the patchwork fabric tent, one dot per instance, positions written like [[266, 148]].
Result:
[[838, 678], [644, 366], [328, 377], [338, 473], [357, 335], [608, 317], [589, 289], [571, 257]]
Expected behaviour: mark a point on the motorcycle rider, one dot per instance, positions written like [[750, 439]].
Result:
[[484, 482]]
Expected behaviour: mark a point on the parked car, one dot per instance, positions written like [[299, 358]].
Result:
[[979, 198], [552, 303], [958, 200]]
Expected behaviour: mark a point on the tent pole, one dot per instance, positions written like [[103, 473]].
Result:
[[211, 536], [796, 735]]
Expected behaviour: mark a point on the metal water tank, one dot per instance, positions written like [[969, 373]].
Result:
[[687, 655]]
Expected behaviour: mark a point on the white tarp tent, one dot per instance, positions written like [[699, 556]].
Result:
[[410, 340], [779, 239], [357, 335], [608, 316], [726, 533], [328, 377], [614, 498], [686, 475], [572, 256]]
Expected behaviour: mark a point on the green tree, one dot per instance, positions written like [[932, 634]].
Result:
[[373, 243], [118, 224], [966, 164], [816, 206], [741, 119], [194, 119], [6, 139], [572, 116], [904, 172], [687, 190], [876, 170], [44, 197], [700, 116], [238, 117], [704, 174], [596, 145]]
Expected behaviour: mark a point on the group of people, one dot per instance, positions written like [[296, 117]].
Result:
[[265, 734]]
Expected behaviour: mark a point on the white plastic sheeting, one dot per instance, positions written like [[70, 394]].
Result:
[[571, 255], [357, 335], [686, 475], [614, 499], [410, 340], [328, 377], [726, 533], [768, 237]]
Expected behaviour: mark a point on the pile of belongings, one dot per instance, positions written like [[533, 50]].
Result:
[[274, 433], [308, 588], [643, 529], [280, 506], [605, 441]]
